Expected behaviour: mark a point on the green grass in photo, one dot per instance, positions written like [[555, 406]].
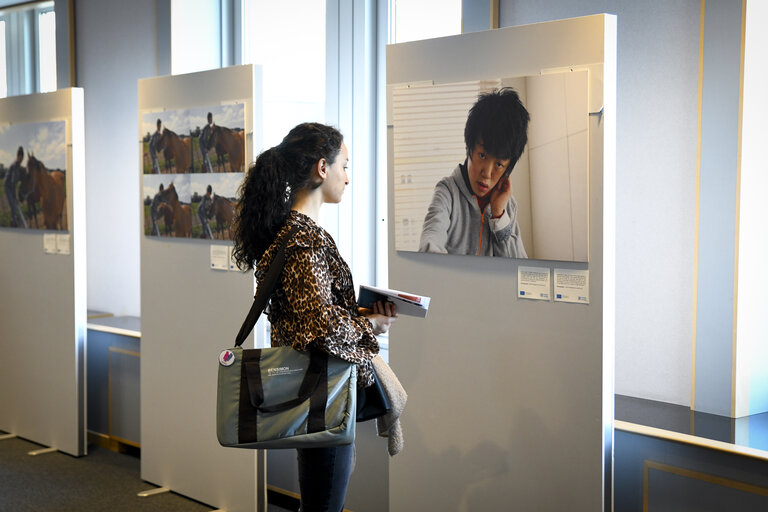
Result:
[[197, 161], [147, 221]]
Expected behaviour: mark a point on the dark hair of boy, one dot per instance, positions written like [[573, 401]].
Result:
[[498, 121]]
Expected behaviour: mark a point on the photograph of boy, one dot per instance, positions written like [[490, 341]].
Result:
[[473, 210]]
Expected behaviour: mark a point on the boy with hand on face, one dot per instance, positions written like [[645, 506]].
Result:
[[472, 210]]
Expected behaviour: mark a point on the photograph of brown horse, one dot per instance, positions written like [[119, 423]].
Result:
[[182, 213], [51, 187], [232, 143], [224, 210], [177, 149]]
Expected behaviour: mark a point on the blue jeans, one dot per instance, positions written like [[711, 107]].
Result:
[[324, 476]]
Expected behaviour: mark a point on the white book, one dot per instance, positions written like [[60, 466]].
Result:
[[407, 303]]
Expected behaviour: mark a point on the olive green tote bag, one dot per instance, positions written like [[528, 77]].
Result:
[[280, 397]]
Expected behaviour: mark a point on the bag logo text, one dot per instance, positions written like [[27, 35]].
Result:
[[282, 370]]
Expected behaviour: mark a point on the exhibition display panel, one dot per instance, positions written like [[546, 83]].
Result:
[[190, 296], [42, 249], [510, 400]]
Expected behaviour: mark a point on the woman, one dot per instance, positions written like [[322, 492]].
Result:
[[314, 303]]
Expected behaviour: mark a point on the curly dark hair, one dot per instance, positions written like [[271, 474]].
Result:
[[271, 184], [499, 121]]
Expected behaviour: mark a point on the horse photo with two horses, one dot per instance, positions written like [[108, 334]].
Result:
[[33, 176], [194, 140]]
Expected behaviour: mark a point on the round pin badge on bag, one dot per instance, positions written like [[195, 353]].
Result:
[[226, 358]]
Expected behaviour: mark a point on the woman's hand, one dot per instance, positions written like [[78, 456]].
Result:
[[381, 316]]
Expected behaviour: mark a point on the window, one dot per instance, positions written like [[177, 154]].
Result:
[[293, 71], [28, 49], [411, 20], [195, 36], [323, 60], [406, 20], [3, 81], [46, 48]]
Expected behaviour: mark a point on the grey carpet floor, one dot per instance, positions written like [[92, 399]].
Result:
[[101, 481]]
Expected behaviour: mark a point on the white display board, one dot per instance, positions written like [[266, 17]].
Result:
[[43, 299], [510, 401], [189, 313]]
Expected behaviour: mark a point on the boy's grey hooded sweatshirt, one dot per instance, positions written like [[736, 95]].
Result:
[[455, 225]]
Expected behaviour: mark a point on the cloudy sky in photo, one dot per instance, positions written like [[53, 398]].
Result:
[[224, 184], [183, 121], [151, 185], [47, 141]]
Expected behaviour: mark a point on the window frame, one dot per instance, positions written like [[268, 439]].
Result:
[[39, 11], [22, 36]]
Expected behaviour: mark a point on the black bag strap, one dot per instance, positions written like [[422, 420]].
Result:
[[264, 292]]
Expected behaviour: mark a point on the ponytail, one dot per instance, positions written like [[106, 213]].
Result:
[[258, 219], [269, 189]]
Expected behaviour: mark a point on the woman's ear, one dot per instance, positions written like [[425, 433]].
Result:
[[321, 168]]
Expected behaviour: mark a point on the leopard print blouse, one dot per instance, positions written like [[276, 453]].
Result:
[[314, 303]]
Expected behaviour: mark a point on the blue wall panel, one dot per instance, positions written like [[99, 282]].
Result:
[[682, 477]]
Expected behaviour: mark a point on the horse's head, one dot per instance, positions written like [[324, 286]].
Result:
[[169, 194], [34, 166]]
